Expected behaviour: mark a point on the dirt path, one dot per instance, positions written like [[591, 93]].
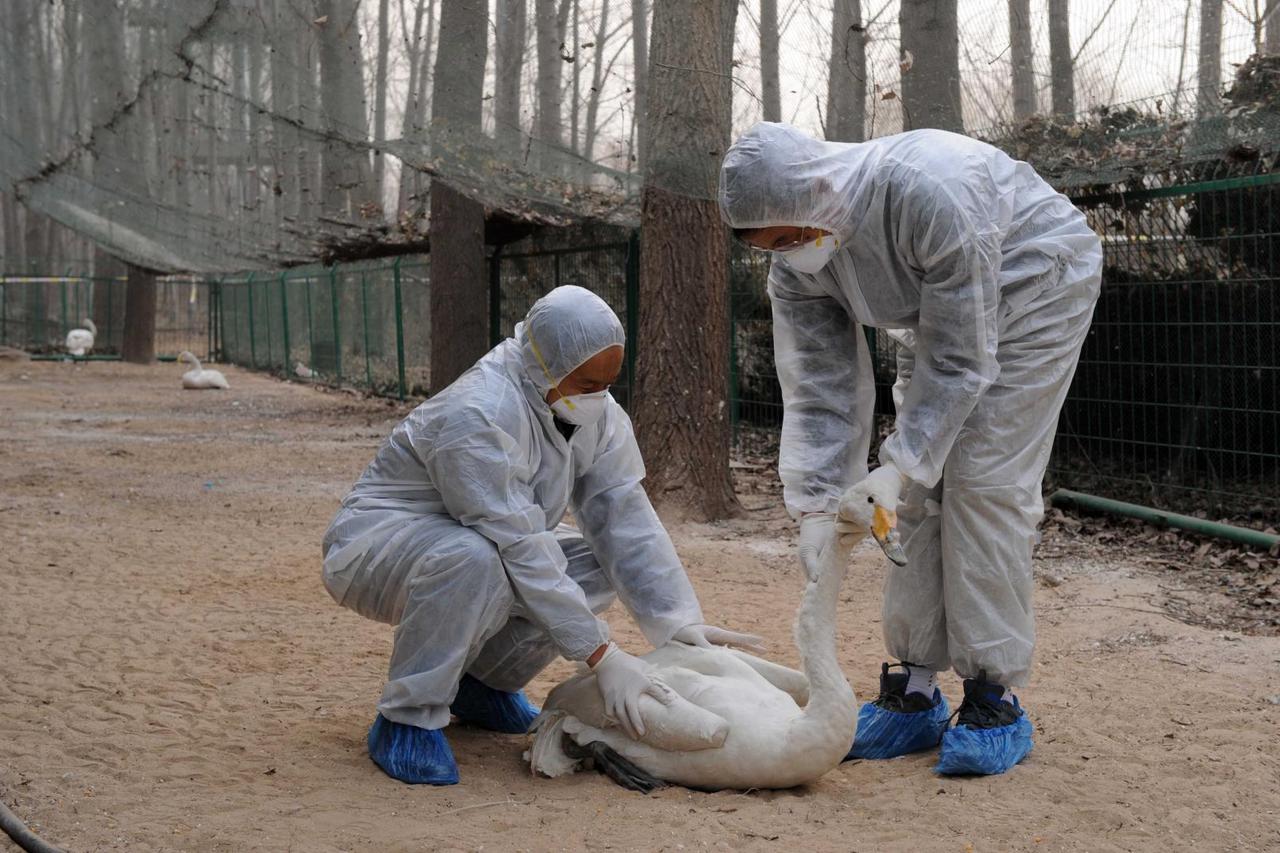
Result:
[[174, 677]]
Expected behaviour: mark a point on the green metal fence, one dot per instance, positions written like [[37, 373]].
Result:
[[362, 324], [1176, 402], [36, 312]]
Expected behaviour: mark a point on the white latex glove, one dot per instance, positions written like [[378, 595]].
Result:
[[882, 487], [817, 534], [623, 679], [709, 635]]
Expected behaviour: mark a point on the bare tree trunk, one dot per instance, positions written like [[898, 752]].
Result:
[[597, 82], [1209, 99], [139, 346], [770, 86], [549, 25], [347, 181], [576, 101], [931, 89], [681, 410], [1271, 25], [418, 53], [512, 25], [459, 302], [640, 68], [380, 97], [847, 75], [1021, 51], [1061, 63]]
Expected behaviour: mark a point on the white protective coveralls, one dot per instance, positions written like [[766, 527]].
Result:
[[987, 278], [453, 533]]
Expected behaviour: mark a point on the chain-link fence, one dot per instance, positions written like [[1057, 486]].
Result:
[[37, 312]]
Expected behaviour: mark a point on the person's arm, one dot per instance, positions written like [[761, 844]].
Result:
[[619, 524], [958, 253], [473, 463], [828, 393]]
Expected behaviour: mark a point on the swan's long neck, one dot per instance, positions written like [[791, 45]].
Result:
[[831, 699], [93, 330], [196, 361]]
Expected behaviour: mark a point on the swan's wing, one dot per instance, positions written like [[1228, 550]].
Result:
[[790, 681], [681, 726]]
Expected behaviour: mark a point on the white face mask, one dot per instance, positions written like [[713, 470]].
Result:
[[581, 409], [812, 256]]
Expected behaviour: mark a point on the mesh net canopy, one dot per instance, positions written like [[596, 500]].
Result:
[[226, 135]]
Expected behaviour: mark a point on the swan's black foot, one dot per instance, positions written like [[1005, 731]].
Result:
[[607, 761]]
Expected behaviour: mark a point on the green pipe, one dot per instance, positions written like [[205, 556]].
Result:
[[1159, 518]]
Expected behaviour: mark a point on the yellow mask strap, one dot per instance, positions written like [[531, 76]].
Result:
[[533, 345]]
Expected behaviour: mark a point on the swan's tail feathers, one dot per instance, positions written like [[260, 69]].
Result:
[[606, 760], [547, 754]]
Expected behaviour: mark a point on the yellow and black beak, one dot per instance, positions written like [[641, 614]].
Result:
[[884, 524]]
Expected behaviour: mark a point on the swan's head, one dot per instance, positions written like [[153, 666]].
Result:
[[875, 511], [187, 357]]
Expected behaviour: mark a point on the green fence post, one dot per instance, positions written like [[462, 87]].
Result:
[[111, 314], [4, 313], [62, 285], [253, 332], [311, 335], [495, 297], [337, 340], [633, 314], [222, 320], [266, 303], [735, 392], [364, 322], [399, 329], [284, 319]]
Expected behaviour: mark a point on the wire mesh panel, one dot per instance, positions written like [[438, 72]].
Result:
[[361, 324], [1177, 398], [37, 312]]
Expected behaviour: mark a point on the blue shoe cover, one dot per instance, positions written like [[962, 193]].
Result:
[[410, 754], [967, 751], [888, 734], [495, 710]]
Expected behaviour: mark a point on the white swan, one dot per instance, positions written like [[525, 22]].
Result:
[[737, 721], [199, 377], [80, 341]]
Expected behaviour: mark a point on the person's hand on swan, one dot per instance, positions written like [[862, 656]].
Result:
[[623, 679], [817, 534], [709, 635]]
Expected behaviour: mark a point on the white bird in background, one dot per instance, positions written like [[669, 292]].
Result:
[[80, 341], [304, 372], [199, 377], [732, 720]]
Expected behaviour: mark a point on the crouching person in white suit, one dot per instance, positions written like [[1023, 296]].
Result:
[[453, 534]]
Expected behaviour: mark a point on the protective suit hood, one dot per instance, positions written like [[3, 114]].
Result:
[[777, 175], [563, 330]]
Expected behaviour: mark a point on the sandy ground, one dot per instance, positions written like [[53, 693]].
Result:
[[174, 677]]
